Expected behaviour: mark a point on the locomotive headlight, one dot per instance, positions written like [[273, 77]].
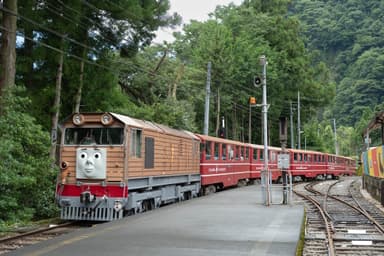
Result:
[[118, 205], [106, 119], [78, 119], [63, 165]]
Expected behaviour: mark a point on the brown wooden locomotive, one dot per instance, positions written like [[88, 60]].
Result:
[[111, 164]]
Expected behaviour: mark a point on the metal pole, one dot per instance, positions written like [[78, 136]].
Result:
[[305, 142], [291, 121], [250, 124], [207, 96], [298, 122], [265, 179]]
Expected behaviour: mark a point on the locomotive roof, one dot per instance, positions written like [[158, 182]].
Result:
[[143, 124]]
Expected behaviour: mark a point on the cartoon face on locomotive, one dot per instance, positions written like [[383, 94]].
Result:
[[102, 155]]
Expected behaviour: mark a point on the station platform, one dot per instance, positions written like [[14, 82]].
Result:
[[231, 222]]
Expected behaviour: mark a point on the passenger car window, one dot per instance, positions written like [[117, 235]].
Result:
[[208, 150], [223, 151]]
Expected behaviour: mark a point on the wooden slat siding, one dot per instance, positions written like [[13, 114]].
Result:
[[172, 156]]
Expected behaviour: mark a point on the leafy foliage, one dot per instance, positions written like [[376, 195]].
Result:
[[349, 35], [233, 42], [27, 177]]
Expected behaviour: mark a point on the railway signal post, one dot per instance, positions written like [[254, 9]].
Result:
[[283, 159], [266, 180]]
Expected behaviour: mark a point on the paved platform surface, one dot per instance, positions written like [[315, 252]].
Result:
[[232, 222]]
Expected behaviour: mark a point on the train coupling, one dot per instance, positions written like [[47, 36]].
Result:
[[87, 197], [118, 205]]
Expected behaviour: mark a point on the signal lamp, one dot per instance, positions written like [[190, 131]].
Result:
[[252, 101], [256, 81]]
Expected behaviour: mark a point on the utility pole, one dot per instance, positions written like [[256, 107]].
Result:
[[265, 175], [250, 124], [298, 122], [334, 127], [291, 123], [207, 96]]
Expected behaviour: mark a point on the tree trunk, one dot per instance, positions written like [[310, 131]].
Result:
[[234, 122], [56, 107], [8, 46], [179, 75], [80, 88]]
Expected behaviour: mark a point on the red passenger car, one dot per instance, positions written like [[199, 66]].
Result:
[[257, 161], [306, 164], [340, 165], [223, 163]]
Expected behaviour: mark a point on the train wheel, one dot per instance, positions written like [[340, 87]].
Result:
[[211, 189], [241, 183], [148, 205], [188, 195]]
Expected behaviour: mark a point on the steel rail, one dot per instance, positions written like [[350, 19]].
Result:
[[325, 216], [33, 232], [359, 209]]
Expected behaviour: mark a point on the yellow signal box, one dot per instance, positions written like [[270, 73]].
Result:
[[252, 101]]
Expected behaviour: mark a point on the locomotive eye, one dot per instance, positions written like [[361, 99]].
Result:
[[97, 155], [64, 165], [83, 155]]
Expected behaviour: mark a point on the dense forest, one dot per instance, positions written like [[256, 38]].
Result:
[[61, 57]]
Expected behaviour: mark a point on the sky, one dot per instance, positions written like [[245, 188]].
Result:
[[191, 10]]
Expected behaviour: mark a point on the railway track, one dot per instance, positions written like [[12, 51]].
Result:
[[21, 239], [340, 221]]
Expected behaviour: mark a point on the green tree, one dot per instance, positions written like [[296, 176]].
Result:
[[27, 179], [7, 46], [233, 41], [349, 37]]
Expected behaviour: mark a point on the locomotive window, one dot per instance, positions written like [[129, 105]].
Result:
[[135, 143], [254, 154], [246, 153], [98, 136], [261, 154]]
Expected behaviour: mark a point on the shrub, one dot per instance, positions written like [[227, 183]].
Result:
[[27, 177]]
